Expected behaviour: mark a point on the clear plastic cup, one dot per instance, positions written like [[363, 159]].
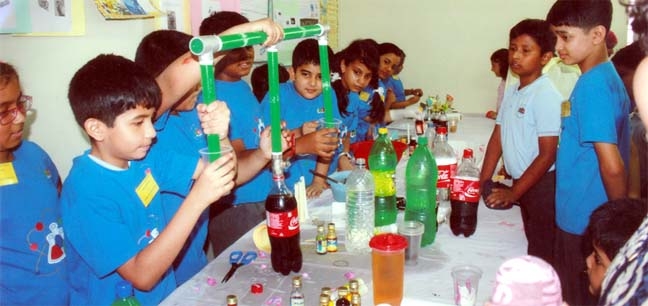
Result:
[[465, 282]]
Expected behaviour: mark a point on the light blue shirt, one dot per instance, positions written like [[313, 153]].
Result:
[[525, 115]]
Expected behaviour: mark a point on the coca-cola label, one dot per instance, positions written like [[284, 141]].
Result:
[[446, 172], [465, 189], [283, 224]]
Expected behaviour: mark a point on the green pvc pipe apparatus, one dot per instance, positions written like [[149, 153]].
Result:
[[326, 81], [206, 61], [273, 92], [205, 46]]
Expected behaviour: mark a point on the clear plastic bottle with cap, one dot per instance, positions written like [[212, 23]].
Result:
[[465, 196], [360, 209], [446, 161], [382, 164], [124, 295], [421, 179], [232, 300], [430, 133], [296, 295]]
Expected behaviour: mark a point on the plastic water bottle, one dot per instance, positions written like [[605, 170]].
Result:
[[382, 164], [360, 209], [430, 134], [446, 161], [124, 295], [465, 196], [421, 177]]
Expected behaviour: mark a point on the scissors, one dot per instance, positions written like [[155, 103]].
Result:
[[238, 259]]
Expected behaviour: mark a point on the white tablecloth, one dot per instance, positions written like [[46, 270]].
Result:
[[499, 236]]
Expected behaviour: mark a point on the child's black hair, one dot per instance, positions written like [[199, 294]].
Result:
[[216, 24], [109, 85], [500, 56], [307, 52], [537, 29], [584, 14], [612, 224], [159, 49], [259, 80], [366, 52], [7, 73]]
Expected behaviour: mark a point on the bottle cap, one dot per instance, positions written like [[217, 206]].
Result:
[[256, 288], [232, 300], [296, 281], [360, 161], [388, 242], [331, 226], [442, 130], [326, 290], [468, 153], [123, 289], [382, 130], [324, 298], [342, 291]]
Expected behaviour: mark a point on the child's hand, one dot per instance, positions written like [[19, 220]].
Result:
[[501, 198], [214, 118], [265, 143], [315, 189], [309, 127], [272, 29], [216, 180], [320, 142]]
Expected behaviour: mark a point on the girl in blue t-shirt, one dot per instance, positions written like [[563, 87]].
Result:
[[32, 252], [357, 69]]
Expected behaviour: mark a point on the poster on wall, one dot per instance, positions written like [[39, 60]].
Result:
[[127, 9], [42, 17], [175, 15]]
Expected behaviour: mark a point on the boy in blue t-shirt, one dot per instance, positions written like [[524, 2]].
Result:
[[32, 248], [526, 136], [301, 105], [116, 227], [165, 54], [229, 222], [591, 166]]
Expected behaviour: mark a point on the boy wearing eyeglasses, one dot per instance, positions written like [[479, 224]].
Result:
[[32, 252]]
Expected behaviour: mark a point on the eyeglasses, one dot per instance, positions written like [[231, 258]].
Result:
[[24, 104]]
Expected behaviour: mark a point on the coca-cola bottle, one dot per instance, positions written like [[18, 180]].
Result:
[[446, 161], [465, 196], [283, 225]]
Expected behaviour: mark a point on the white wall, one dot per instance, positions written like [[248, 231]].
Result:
[[448, 45]]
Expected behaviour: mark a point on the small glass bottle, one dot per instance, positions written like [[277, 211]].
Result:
[[342, 299], [324, 299], [329, 293], [354, 288], [232, 300], [331, 239], [320, 241], [355, 299], [296, 295]]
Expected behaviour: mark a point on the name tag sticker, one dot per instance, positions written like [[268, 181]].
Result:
[[565, 109], [7, 174], [364, 96], [147, 189]]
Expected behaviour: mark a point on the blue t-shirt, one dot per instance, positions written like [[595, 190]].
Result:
[[351, 120], [297, 110], [111, 215], [525, 115], [182, 133], [32, 249], [597, 111], [246, 125], [398, 88]]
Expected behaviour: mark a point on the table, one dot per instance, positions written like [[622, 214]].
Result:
[[499, 236]]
